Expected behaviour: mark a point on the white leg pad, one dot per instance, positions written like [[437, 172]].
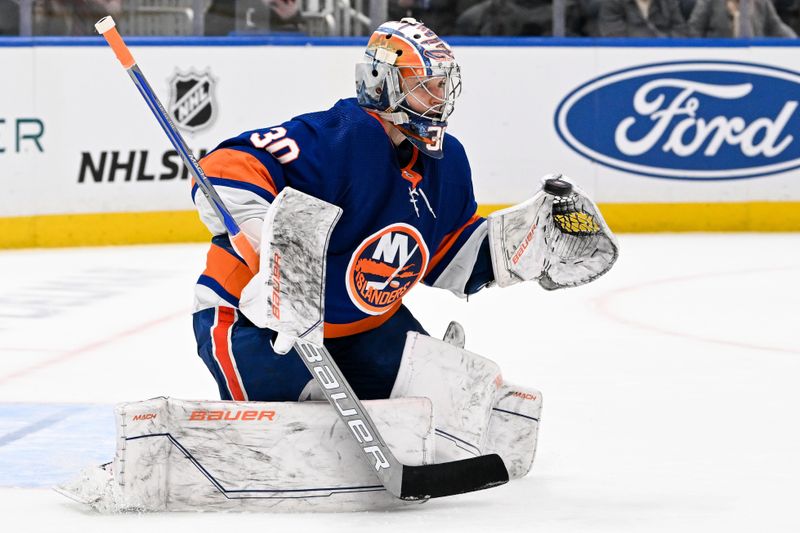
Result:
[[176, 455], [514, 427], [460, 384]]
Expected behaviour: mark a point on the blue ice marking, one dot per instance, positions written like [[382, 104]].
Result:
[[42, 445]]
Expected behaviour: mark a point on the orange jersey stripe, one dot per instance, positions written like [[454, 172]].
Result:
[[227, 270], [333, 331], [230, 164], [448, 242]]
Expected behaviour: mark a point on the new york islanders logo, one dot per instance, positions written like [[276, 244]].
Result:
[[385, 267]]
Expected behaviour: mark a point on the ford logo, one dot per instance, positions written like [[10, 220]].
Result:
[[700, 120]]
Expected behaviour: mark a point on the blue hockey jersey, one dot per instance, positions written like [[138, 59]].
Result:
[[401, 223]]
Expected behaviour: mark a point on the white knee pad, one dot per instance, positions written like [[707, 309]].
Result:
[[475, 413]]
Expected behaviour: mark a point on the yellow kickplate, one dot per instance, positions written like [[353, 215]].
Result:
[[184, 226], [102, 229], [653, 218]]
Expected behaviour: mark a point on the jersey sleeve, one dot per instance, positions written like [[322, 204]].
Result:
[[460, 261], [248, 171], [247, 180]]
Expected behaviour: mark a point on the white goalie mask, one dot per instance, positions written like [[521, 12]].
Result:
[[410, 77]]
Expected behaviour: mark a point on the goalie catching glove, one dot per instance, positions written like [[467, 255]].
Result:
[[558, 237]]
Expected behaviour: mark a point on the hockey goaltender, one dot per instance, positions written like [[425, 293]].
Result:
[[345, 211]]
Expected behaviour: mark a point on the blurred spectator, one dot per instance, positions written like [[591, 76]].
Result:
[[438, 15], [582, 18], [221, 17], [507, 17], [720, 18], [463, 5], [72, 17], [9, 17], [641, 18], [789, 13], [252, 16], [686, 8]]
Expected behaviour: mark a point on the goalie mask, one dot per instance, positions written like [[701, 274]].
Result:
[[410, 77]]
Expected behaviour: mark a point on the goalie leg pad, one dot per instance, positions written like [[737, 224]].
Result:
[[176, 455], [514, 427], [460, 384]]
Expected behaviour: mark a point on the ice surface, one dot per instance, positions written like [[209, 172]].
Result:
[[670, 387]]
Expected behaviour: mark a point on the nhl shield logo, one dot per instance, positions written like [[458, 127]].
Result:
[[192, 105]]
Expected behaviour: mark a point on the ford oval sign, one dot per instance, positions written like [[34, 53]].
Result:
[[698, 120]]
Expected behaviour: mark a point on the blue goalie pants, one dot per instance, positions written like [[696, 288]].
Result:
[[240, 357]]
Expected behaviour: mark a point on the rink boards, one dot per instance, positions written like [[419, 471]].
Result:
[[697, 135]]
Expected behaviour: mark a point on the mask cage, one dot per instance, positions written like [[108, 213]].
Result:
[[438, 84]]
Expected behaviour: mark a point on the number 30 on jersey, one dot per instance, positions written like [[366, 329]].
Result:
[[276, 143]]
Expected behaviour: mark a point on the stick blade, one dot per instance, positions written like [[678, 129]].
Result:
[[455, 477]]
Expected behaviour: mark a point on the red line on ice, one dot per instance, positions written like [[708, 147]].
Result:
[[71, 354], [603, 302]]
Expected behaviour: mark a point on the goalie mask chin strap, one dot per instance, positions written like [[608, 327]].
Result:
[[399, 117]]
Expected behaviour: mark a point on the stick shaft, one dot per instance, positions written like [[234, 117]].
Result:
[[353, 414], [123, 53]]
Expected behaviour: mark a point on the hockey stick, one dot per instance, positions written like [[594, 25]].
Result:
[[403, 481], [107, 28]]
